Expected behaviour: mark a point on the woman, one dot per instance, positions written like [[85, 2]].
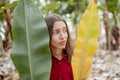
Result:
[[60, 46]]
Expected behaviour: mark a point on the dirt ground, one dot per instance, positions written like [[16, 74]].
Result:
[[106, 65]]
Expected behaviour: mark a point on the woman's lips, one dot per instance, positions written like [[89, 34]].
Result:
[[62, 42]]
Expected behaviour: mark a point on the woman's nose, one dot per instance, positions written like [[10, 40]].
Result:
[[62, 34]]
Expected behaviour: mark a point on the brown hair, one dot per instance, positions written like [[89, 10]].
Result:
[[50, 20]]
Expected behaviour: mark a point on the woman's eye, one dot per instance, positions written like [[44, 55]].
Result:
[[64, 30], [56, 32]]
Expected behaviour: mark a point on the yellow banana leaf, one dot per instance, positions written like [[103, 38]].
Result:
[[86, 42]]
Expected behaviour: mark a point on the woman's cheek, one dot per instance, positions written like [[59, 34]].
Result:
[[66, 35]]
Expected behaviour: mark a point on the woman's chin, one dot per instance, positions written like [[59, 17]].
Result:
[[62, 47]]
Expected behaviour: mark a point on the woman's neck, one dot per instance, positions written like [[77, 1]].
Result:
[[58, 53]]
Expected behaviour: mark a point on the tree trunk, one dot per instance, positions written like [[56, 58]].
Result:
[[115, 34], [7, 44], [107, 29], [116, 37]]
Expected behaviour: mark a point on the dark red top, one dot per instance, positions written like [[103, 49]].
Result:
[[61, 69]]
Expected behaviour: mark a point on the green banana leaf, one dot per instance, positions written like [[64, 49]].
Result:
[[30, 51]]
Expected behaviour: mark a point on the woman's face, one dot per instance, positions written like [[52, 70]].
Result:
[[59, 35]]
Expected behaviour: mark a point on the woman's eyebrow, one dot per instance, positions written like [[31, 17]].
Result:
[[55, 29], [58, 28], [64, 27]]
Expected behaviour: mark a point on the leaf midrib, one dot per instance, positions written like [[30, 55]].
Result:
[[84, 50], [28, 42]]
